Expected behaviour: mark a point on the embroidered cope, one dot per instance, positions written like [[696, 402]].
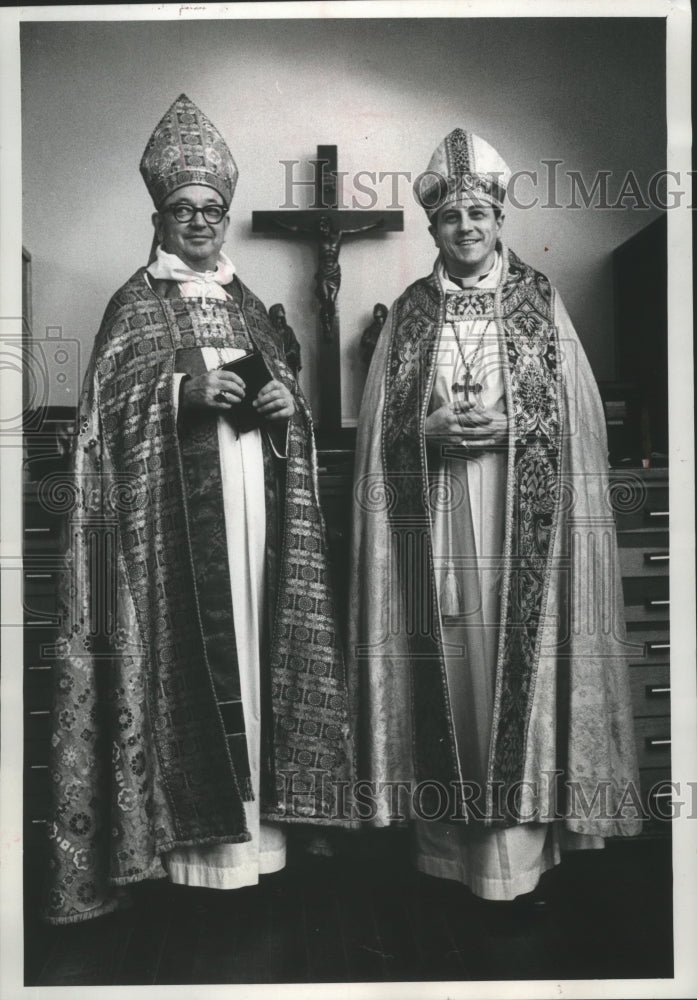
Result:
[[472, 669], [159, 744]]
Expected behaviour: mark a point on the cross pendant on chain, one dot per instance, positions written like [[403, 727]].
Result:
[[467, 386]]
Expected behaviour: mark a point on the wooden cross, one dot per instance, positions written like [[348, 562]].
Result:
[[326, 224]]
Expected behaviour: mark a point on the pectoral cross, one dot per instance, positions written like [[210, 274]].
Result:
[[325, 224], [467, 386]]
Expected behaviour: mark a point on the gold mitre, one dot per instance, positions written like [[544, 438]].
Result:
[[463, 167], [187, 148]]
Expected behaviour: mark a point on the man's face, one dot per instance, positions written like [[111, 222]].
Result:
[[196, 242], [466, 236]]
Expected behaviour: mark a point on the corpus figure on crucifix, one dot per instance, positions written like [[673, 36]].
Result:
[[328, 274]]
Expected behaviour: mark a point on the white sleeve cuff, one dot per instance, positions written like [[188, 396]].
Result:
[[176, 386], [271, 436]]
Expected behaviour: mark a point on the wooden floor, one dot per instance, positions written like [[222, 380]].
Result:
[[366, 915]]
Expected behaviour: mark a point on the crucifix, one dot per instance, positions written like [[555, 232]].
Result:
[[326, 225]]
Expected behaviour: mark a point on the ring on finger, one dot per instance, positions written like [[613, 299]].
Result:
[[220, 397]]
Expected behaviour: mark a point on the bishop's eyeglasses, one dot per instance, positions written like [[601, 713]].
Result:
[[185, 213]]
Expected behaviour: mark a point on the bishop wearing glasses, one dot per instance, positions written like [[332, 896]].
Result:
[[200, 690]]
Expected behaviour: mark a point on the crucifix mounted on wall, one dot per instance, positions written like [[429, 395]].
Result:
[[326, 225]]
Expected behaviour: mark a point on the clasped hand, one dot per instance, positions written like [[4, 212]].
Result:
[[222, 390], [465, 424]]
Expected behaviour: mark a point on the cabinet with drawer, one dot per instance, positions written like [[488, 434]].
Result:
[[640, 503], [43, 522]]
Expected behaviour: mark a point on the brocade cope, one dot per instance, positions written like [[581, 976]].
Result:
[[140, 761], [561, 744]]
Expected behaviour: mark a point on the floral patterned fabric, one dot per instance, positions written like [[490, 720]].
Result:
[[562, 702]]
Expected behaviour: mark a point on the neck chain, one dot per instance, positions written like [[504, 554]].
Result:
[[467, 386]]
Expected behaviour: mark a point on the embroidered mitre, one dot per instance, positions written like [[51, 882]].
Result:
[[187, 148], [463, 167]]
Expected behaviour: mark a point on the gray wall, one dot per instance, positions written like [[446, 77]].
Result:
[[590, 93]]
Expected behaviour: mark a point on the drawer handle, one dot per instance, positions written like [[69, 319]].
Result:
[[656, 557], [662, 795], [657, 742], [662, 603], [38, 767], [38, 576], [656, 647], [33, 622], [42, 531], [658, 513], [42, 711], [42, 666], [657, 690], [40, 822]]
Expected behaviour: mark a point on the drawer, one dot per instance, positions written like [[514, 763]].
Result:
[[37, 751], [644, 562], [657, 648], [657, 797], [40, 522], [40, 644], [645, 589], [37, 786], [41, 539], [648, 646], [647, 538], [49, 500], [650, 690], [333, 484], [38, 698], [653, 609], [40, 578], [631, 512], [36, 835], [40, 609], [38, 681], [653, 741], [37, 729]]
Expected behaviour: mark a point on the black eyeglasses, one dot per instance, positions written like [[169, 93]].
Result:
[[185, 213]]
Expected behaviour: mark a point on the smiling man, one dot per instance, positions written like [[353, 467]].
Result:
[[484, 559], [192, 223], [200, 694], [466, 236]]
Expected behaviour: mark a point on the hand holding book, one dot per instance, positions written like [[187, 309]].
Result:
[[243, 389], [264, 395]]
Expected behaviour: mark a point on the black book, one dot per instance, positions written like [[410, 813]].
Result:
[[253, 371]]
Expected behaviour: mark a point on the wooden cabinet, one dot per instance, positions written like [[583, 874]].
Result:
[[641, 513], [39, 583], [45, 468]]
